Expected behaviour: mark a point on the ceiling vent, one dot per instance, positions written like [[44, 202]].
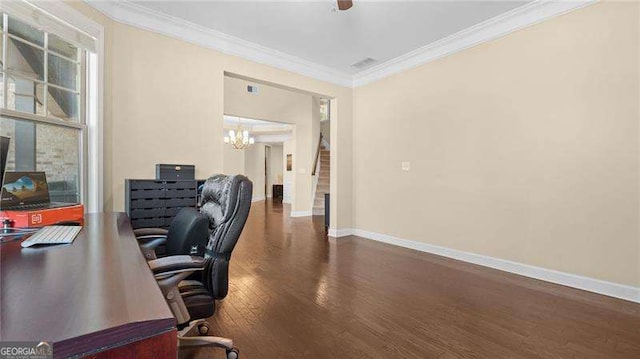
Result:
[[363, 63]]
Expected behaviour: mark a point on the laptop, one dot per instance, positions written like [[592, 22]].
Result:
[[26, 191]]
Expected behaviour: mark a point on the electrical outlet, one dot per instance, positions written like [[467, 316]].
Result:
[[406, 166], [253, 89]]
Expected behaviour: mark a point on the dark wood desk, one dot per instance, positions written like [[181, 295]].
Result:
[[95, 297]]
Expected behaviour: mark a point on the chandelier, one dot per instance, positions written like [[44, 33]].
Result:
[[239, 139]]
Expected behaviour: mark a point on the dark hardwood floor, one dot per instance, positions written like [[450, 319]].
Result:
[[295, 294]]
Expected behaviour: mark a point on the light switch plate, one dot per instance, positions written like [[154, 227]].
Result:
[[406, 166]]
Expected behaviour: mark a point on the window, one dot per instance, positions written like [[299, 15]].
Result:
[[43, 81]]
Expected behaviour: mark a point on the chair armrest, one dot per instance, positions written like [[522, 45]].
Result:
[[150, 232], [148, 246], [176, 264], [149, 239], [169, 271]]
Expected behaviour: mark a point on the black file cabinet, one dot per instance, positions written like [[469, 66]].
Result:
[[154, 203]]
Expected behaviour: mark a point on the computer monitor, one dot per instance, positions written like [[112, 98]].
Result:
[[4, 153]]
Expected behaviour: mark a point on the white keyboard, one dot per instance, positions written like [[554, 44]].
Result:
[[53, 235]]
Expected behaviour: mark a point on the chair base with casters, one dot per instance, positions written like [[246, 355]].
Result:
[[189, 299], [194, 336]]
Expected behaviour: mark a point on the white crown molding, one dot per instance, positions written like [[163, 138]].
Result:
[[549, 275], [501, 25], [155, 21]]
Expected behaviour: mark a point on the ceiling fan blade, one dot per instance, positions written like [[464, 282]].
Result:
[[345, 4]]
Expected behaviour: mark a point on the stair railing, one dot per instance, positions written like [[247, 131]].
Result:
[[315, 162]]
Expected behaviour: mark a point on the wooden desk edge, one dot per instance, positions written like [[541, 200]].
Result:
[[120, 337]]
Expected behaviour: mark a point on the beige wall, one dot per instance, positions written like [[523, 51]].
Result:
[[232, 160], [254, 169], [163, 102], [289, 179], [524, 148], [165, 108]]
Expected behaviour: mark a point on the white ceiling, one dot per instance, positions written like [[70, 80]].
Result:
[[309, 30], [307, 38]]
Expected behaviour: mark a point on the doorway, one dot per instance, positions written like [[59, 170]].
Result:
[[306, 154], [261, 157]]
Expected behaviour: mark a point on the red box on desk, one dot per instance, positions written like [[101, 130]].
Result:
[[44, 217]]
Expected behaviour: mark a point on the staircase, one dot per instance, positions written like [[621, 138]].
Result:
[[323, 182]]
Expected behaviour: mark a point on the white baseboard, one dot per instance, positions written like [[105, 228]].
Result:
[[301, 213], [258, 199], [571, 280], [337, 233]]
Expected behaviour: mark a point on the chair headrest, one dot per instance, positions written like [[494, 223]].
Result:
[[219, 197]]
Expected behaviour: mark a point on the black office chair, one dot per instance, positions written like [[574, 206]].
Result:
[[226, 200], [188, 234], [192, 284]]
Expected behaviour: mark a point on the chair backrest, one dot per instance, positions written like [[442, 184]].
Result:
[[226, 201], [188, 233]]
